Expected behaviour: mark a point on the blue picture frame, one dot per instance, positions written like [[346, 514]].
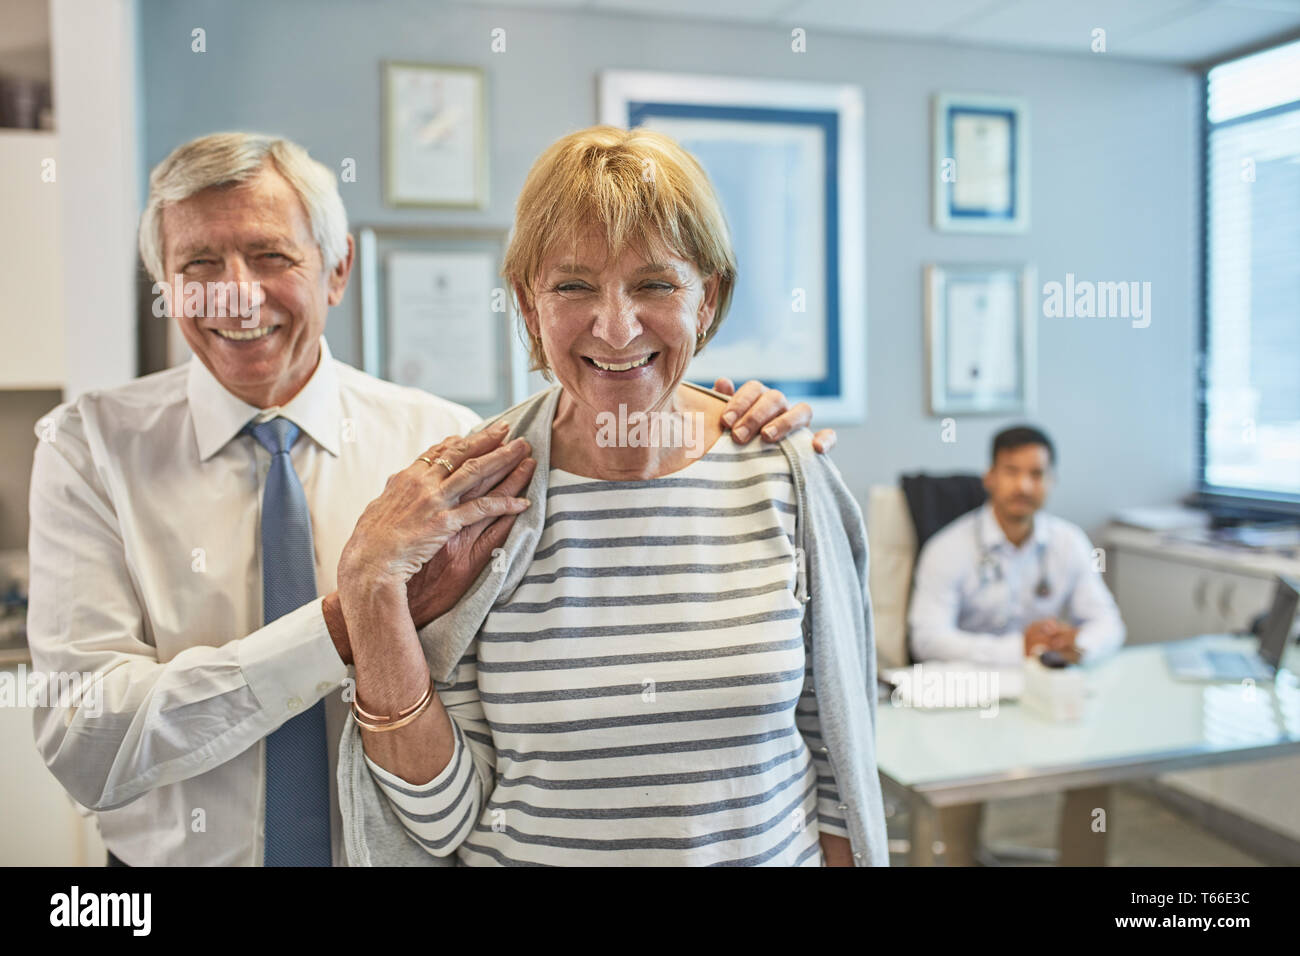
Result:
[[981, 169], [787, 244], [980, 338]]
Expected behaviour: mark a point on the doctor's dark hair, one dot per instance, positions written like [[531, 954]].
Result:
[[1018, 436]]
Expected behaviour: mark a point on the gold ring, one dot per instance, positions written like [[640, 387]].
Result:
[[446, 464], [425, 460]]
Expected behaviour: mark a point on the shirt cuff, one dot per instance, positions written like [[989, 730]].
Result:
[[1094, 647], [1009, 652], [291, 663]]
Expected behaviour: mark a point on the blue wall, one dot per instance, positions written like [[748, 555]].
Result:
[[1114, 195]]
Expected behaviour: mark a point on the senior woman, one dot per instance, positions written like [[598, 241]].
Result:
[[670, 662]]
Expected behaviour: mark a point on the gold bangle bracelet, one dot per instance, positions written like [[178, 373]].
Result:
[[378, 725]]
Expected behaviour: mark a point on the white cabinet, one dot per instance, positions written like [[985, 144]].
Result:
[[1163, 598], [1169, 589], [31, 309], [39, 823]]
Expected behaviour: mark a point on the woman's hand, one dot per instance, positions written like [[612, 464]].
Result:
[[442, 582], [423, 506], [436, 587]]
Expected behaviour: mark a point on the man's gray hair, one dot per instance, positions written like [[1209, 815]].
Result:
[[222, 159]]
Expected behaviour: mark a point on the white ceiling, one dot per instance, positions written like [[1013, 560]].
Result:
[[1173, 31]]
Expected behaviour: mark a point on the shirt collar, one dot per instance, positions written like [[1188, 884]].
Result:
[[219, 416], [992, 535]]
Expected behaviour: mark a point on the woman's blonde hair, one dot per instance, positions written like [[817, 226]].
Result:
[[641, 187]]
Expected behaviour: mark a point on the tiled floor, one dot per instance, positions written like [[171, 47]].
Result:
[[1143, 832]]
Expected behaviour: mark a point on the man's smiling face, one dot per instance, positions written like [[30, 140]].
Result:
[[256, 231]]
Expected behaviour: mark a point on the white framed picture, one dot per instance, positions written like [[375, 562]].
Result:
[[435, 315], [980, 339], [981, 163], [435, 137], [786, 160]]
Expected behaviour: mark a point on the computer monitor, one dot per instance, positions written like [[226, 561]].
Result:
[[1277, 626]]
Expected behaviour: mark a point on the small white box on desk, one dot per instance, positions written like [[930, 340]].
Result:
[[1057, 693]]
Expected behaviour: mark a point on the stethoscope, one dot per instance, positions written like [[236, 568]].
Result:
[[991, 568]]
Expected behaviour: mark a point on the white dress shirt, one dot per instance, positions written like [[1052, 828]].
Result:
[[146, 570], [975, 592]]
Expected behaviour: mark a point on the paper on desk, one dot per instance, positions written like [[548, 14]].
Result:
[[951, 685]]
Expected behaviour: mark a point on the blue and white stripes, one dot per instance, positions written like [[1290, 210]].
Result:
[[644, 696]]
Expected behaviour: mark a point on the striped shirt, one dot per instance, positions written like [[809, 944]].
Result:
[[643, 697]]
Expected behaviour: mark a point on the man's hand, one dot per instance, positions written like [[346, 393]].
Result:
[[1040, 634], [756, 409], [1063, 642], [337, 626], [836, 851], [1052, 635], [1064, 637]]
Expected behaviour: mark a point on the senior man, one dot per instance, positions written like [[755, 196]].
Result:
[[186, 527]]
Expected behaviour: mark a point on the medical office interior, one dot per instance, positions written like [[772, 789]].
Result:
[[1082, 217]]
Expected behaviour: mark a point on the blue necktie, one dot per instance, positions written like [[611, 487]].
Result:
[[297, 759]]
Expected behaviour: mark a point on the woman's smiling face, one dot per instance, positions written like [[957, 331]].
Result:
[[619, 330]]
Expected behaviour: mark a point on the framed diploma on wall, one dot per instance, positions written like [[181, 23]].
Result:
[[981, 163], [980, 339], [786, 160], [435, 136], [435, 315]]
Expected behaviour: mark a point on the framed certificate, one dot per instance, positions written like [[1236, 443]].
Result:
[[435, 315], [981, 163], [435, 138], [980, 346], [786, 160]]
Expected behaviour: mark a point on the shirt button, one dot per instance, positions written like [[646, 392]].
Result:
[[841, 806], [826, 750], [857, 856], [293, 703]]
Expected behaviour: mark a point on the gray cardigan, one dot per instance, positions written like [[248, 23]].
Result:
[[832, 579]]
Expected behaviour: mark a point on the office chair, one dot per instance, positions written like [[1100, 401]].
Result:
[[892, 537]]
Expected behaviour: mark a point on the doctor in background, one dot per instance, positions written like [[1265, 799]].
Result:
[[1007, 579]]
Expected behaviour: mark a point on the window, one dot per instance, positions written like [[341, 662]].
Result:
[[1250, 362]]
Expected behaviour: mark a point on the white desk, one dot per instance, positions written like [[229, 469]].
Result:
[[1141, 723]]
